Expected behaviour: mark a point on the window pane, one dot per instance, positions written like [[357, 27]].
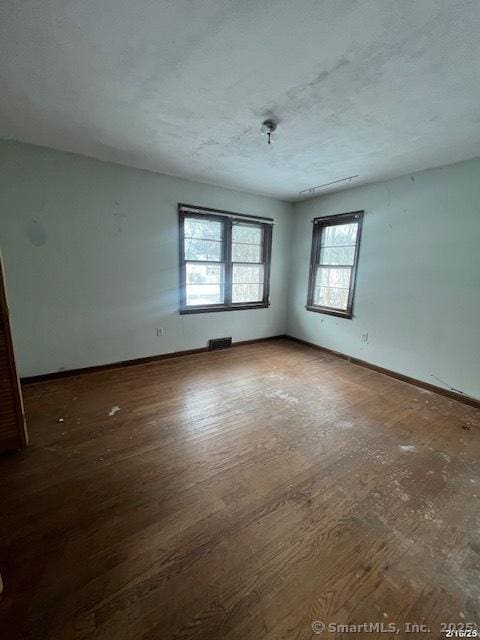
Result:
[[203, 229], [247, 233], [331, 277], [204, 273], [247, 283], [246, 252], [247, 243], [340, 234], [205, 284], [247, 292], [247, 274], [331, 297], [203, 249], [333, 268], [201, 294], [337, 255]]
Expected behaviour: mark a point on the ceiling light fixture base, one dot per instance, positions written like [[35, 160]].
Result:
[[268, 127]]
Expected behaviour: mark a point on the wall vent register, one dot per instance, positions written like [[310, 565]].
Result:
[[216, 344]]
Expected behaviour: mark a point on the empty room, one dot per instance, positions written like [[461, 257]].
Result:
[[239, 319]]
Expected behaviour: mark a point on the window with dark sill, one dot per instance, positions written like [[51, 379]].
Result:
[[333, 264], [224, 262]]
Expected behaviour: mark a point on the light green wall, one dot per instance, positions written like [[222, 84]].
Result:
[[418, 284], [91, 255]]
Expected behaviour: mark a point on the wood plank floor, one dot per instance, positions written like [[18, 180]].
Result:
[[239, 495]]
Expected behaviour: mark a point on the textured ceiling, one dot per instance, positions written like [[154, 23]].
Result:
[[376, 88]]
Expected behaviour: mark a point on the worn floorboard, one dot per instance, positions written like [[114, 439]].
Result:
[[240, 494]]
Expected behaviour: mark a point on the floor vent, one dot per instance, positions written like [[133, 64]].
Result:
[[219, 343]]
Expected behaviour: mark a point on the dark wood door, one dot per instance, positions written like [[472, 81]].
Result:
[[13, 432]]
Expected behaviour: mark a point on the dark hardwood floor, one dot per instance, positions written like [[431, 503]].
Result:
[[239, 495]]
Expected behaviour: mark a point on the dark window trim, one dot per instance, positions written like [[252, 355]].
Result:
[[227, 219], [318, 225], [219, 212]]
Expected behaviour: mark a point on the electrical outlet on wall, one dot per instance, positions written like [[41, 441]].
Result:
[[364, 337], [159, 332]]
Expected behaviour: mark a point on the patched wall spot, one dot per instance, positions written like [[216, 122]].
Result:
[[36, 233]]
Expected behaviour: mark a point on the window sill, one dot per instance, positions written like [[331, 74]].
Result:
[[233, 307], [330, 312]]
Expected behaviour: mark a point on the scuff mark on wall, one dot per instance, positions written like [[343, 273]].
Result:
[[36, 233], [448, 385], [119, 217]]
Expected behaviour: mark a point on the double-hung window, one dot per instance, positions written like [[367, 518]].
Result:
[[224, 260], [333, 264]]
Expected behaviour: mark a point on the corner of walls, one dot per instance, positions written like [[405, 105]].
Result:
[[289, 255], [91, 258], [417, 301]]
